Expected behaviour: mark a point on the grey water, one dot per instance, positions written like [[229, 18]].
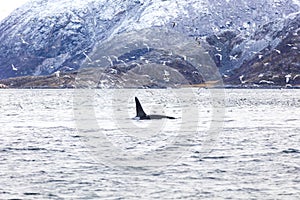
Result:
[[54, 145]]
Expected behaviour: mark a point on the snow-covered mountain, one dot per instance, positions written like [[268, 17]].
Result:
[[276, 64], [42, 36]]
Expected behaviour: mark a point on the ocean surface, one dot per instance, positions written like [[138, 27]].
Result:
[[84, 144]]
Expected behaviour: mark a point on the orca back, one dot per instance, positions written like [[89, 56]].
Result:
[[140, 114]]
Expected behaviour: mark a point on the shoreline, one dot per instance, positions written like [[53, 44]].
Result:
[[68, 81], [76, 88]]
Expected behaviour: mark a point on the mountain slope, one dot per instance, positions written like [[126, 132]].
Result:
[[44, 36], [278, 65]]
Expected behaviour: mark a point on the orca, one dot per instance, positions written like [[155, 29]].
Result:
[[141, 115]]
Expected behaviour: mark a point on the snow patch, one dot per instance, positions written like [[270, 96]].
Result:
[[296, 2]]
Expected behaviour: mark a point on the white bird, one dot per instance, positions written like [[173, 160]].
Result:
[[241, 79], [166, 76], [298, 75], [57, 73], [219, 56], [113, 71], [166, 73], [260, 75], [233, 57], [23, 41], [265, 81], [278, 51], [287, 78], [148, 48], [13, 67], [87, 56], [218, 49], [2, 85]]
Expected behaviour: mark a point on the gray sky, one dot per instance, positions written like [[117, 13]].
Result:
[[7, 6]]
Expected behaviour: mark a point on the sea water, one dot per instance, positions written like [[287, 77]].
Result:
[[223, 144]]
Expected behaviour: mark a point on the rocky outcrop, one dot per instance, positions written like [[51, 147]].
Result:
[[65, 80]]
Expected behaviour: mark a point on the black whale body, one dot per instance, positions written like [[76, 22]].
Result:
[[141, 115]]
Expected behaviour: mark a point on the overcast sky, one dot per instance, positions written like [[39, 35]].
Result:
[[7, 6]]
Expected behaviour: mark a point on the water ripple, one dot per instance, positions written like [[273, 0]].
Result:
[[256, 156]]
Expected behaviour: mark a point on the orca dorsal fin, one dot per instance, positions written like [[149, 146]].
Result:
[[139, 109]]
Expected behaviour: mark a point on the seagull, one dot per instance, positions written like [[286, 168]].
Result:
[[241, 79], [265, 81], [145, 44], [57, 73], [166, 76], [219, 56], [233, 57], [113, 71], [260, 75], [13, 67], [278, 51], [87, 56], [23, 41], [166, 73], [287, 78], [218, 49], [298, 75]]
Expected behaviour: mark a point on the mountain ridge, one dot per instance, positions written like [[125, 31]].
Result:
[[43, 37]]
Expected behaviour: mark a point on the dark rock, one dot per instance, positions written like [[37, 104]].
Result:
[[64, 80]]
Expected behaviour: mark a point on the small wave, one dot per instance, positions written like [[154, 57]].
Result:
[[24, 149], [216, 157], [31, 149], [290, 120], [291, 150], [31, 193], [212, 178], [76, 136]]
